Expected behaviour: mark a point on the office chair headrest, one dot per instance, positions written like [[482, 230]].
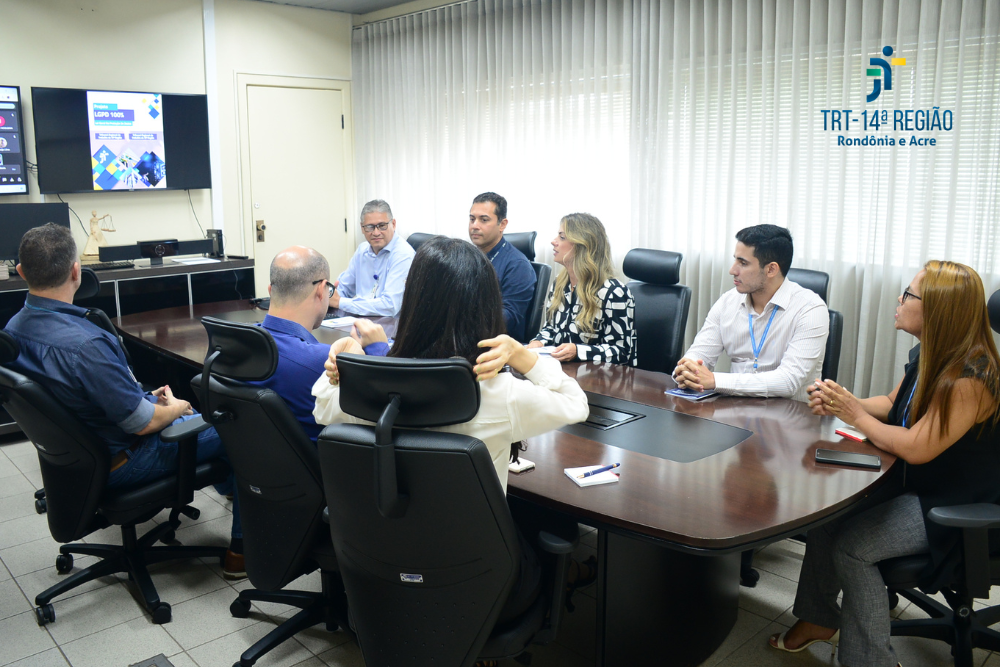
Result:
[[90, 284], [993, 306], [658, 267], [246, 351], [8, 348], [433, 392]]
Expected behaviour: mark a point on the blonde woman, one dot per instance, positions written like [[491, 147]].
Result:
[[588, 310]]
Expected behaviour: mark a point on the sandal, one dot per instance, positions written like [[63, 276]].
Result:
[[779, 643]]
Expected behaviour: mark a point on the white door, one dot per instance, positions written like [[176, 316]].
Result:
[[297, 168]]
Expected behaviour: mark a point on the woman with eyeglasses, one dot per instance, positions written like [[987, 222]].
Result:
[[941, 419], [588, 310]]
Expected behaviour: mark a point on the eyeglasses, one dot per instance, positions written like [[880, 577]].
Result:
[[330, 288], [368, 229], [908, 294]]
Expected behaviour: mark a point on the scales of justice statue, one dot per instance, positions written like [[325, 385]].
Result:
[[96, 238]]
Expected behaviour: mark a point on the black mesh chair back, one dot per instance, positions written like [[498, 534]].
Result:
[[275, 463], [536, 311], [661, 307], [426, 545], [417, 239], [74, 463], [523, 241], [819, 282]]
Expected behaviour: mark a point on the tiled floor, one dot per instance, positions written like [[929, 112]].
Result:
[[101, 625]]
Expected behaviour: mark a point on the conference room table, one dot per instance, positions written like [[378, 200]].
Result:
[[700, 482]]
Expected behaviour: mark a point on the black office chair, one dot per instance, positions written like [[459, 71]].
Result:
[[536, 314], [278, 479], [819, 282], [958, 622], [75, 464], [416, 239], [523, 241], [661, 307], [426, 544]]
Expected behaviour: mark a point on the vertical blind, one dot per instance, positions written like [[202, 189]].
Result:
[[679, 123]]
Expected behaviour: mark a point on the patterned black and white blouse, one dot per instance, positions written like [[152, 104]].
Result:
[[613, 339]]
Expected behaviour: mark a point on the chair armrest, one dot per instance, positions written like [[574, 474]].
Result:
[[978, 515], [975, 521], [185, 434], [185, 429], [555, 545]]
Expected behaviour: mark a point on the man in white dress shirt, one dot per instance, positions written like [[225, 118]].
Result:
[[772, 329]]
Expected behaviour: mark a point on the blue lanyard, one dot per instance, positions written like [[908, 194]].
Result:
[[906, 410], [753, 341]]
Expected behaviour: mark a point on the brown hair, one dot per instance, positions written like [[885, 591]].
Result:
[[591, 264], [955, 335]]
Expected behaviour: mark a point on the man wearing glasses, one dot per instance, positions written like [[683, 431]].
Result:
[[300, 290], [374, 280]]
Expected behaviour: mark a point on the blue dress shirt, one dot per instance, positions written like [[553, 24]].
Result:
[[301, 360], [84, 368], [517, 284], [373, 284]]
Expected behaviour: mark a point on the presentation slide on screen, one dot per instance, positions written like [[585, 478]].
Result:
[[126, 140]]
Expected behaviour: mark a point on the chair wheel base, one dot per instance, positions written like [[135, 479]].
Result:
[[161, 614], [64, 563], [239, 609], [168, 537], [749, 578], [41, 507], [45, 614]]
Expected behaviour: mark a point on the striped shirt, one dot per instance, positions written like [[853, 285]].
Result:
[[791, 356]]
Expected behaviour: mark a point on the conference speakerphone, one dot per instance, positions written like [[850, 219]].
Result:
[[654, 431]]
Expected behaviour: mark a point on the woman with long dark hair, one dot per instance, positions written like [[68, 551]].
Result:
[[588, 310], [942, 421], [452, 308]]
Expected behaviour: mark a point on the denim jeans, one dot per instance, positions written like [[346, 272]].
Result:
[[154, 459]]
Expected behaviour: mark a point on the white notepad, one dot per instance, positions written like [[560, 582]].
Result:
[[606, 477], [345, 322]]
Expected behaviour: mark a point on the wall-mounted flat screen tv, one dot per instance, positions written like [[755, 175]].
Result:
[[101, 140], [13, 177]]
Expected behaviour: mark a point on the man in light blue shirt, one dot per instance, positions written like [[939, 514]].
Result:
[[374, 280]]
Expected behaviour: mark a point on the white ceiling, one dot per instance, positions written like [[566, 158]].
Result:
[[349, 6]]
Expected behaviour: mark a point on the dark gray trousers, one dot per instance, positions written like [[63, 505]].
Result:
[[842, 556]]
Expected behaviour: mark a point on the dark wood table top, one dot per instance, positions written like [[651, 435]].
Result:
[[765, 487]]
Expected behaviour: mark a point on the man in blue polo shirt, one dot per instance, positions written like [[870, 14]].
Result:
[[84, 368], [300, 289], [487, 220]]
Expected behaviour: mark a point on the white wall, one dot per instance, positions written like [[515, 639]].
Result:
[[158, 46]]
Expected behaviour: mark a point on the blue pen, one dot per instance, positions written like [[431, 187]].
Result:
[[599, 470]]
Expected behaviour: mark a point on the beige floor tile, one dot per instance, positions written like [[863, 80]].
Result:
[[12, 600], [31, 556], [51, 658], [205, 619], [214, 532], [17, 506], [756, 653], [22, 638], [15, 484], [34, 478], [182, 660], [25, 529], [4, 572], [181, 581], [770, 598], [78, 617], [578, 629], [121, 645], [781, 558], [226, 650], [7, 469], [16, 448], [26, 462], [551, 655], [318, 639]]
